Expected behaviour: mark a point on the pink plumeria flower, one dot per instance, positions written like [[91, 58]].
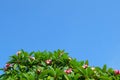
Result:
[[85, 66], [117, 72], [68, 71], [8, 65], [49, 61]]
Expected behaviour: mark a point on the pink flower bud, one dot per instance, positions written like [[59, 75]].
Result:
[[85, 66], [8, 65], [68, 71], [119, 71], [48, 61], [116, 72]]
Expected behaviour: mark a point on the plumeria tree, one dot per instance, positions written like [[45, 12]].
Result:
[[55, 65]]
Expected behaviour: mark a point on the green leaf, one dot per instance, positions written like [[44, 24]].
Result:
[[1, 69], [43, 63], [86, 62], [104, 68], [81, 70], [77, 76], [31, 53], [89, 72], [104, 78], [15, 66], [66, 77], [50, 78]]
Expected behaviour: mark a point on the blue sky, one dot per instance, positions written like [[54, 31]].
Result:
[[86, 29]]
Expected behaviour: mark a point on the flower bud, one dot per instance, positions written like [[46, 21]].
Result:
[[32, 58], [49, 61], [18, 53], [85, 66], [38, 71], [116, 72], [8, 65], [68, 71]]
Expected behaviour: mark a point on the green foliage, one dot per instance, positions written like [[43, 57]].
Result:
[[55, 65]]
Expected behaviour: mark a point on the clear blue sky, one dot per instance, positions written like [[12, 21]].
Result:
[[86, 29]]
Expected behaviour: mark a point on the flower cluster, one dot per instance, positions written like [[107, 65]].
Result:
[[56, 66]]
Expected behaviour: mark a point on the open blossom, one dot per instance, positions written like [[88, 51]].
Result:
[[68, 71], [117, 72], [85, 66], [49, 61], [8, 65]]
